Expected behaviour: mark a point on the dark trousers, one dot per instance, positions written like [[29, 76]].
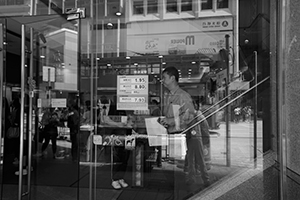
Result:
[[74, 146], [195, 159], [120, 157], [47, 138]]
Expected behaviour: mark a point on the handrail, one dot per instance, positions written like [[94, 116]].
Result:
[[242, 94], [206, 110]]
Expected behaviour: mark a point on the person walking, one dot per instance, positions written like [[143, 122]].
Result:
[[51, 134], [179, 97]]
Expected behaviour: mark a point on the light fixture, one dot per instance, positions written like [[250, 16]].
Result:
[[42, 56], [127, 57], [108, 64], [109, 25], [160, 56], [193, 62], [98, 58], [118, 13], [164, 63], [135, 64]]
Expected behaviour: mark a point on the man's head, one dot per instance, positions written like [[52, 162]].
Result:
[[170, 77]]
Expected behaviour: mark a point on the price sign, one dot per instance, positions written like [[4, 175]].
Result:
[[139, 87], [139, 80], [132, 92], [139, 99]]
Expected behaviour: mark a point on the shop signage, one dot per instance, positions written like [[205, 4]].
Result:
[[48, 74], [208, 43], [58, 103], [132, 92]]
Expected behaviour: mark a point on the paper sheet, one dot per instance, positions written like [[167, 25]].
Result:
[[157, 134], [176, 116]]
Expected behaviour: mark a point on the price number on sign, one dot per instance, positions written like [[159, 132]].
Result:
[[140, 87], [139, 99], [140, 80]]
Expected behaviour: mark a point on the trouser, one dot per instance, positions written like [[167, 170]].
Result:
[[47, 138], [121, 156], [74, 146], [195, 158]]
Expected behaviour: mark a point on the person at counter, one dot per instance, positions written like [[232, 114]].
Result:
[[120, 154], [73, 123], [156, 111], [181, 98]]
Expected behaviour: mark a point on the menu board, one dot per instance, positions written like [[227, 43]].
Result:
[[132, 92]]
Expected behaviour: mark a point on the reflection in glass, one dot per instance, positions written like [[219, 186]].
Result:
[[206, 4], [138, 8], [171, 5], [152, 7], [222, 3], [186, 5]]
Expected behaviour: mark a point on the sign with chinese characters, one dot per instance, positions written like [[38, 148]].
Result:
[[207, 43], [180, 37], [132, 92]]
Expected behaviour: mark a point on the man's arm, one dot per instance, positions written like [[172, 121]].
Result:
[[186, 114]]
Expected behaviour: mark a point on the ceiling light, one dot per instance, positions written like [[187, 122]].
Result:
[[118, 13], [109, 25]]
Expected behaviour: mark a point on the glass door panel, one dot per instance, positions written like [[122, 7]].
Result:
[[48, 92]]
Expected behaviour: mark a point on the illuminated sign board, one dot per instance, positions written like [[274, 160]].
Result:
[[132, 92]]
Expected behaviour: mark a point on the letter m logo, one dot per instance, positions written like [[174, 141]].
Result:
[[190, 40]]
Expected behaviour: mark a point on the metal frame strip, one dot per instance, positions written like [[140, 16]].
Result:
[[22, 111], [282, 8]]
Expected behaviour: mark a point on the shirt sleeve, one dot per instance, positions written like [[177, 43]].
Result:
[[186, 112]]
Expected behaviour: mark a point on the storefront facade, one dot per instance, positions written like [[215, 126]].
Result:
[[98, 66]]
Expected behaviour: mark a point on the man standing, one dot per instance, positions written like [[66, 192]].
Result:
[[73, 124], [183, 100]]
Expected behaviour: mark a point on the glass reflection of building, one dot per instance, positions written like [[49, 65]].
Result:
[[139, 37]]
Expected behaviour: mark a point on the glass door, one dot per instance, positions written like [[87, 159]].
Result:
[[40, 91]]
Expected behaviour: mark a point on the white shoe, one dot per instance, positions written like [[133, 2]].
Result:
[[116, 185], [24, 172], [123, 183]]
